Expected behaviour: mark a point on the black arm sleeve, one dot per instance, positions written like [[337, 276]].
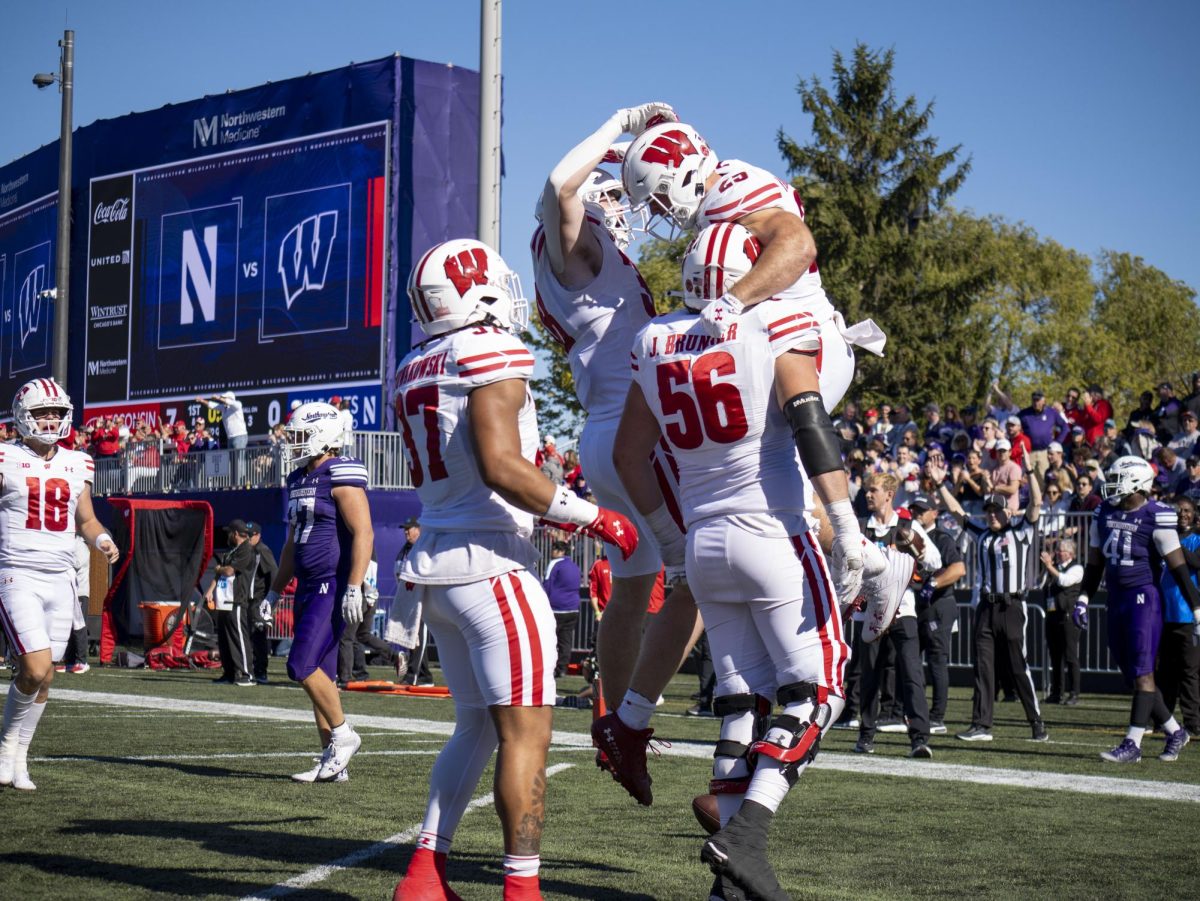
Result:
[[1092, 574], [813, 432], [1192, 558]]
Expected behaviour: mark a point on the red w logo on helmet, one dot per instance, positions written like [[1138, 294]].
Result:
[[466, 269], [669, 148]]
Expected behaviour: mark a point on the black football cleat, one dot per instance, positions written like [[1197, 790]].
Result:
[[739, 853]]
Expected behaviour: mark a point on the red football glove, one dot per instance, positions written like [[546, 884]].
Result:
[[614, 529]]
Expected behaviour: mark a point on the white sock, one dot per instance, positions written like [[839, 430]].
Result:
[[16, 708], [1170, 727], [769, 786], [29, 725], [456, 772], [522, 865], [635, 711], [436, 843], [1135, 734], [342, 731]]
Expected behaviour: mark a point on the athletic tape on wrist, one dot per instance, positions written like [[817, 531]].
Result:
[[568, 507]]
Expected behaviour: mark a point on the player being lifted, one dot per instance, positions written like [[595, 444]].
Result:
[[1132, 540], [758, 574], [592, 299], [670, 171], [45, 499], [328, 549], [470, 433]]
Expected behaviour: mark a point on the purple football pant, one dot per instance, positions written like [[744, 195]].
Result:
[[1135, 624], [317, 622]]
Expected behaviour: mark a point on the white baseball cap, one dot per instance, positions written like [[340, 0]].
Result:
[[1003, 444]]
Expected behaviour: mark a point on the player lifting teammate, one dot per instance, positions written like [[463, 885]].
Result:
[[669, 171], [45, 499], [470, 432], [759, 575]]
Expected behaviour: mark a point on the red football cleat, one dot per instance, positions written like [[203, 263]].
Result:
[[625, 753], [522, 888], [425, 879]]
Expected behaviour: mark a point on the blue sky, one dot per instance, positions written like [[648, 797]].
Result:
[[1082, 118]]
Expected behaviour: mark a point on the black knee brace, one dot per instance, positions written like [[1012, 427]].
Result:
[[791, 741]]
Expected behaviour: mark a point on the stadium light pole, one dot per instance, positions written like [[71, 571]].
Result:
[[489, 122], [62, 269]]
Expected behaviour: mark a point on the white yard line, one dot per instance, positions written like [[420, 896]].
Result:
[[869, 765], [323, 872]]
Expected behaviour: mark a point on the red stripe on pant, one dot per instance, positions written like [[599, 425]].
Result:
[[814, 589], [514, 641], [835, 621], [535, 640]]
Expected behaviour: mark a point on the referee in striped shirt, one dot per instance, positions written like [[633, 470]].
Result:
[[1006, 545]]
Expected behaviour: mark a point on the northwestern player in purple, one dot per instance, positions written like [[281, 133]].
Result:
[[1131, 538], [328, 549]]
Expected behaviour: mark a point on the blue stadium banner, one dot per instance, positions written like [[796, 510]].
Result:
[[255, 240], [27, 255]]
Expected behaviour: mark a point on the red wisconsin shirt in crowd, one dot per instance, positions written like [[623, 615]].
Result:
[[1095, 415], [107, 442], [600, 583], [1021, 445]]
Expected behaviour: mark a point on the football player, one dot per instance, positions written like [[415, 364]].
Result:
[[328, 549], [593, 301], [669, 171], [1131, 540], [759, 575], [45, 500], [470, 433]]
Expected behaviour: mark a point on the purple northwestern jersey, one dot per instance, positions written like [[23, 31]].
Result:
[[320, 539], [1132, 557]]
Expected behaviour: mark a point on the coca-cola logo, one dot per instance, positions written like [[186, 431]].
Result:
[[117, 211]]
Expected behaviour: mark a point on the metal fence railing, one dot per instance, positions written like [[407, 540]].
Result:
[[149, 469]]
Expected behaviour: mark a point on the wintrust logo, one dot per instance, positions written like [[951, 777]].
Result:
[[117, 211]]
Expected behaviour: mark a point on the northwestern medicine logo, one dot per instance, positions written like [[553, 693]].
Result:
[[304, 255], [230, 128], [29, 303]]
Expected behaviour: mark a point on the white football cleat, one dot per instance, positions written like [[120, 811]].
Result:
[[8, 767], [337, 756], [311, 775], [22, 782]]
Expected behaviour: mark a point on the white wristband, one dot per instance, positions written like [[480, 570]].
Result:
[[568, 507], [663, 526], [103, 536], [841, 517]]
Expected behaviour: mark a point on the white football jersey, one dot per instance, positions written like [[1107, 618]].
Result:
[[432, 388], [595, 324], [37, 506], [715, 405], [744, 189]]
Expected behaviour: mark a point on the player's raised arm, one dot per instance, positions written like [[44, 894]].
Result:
[[575, 255]]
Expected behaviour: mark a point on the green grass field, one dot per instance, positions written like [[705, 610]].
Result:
[[188, 797]]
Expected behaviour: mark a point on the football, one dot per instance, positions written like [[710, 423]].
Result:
[[707, 815]]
